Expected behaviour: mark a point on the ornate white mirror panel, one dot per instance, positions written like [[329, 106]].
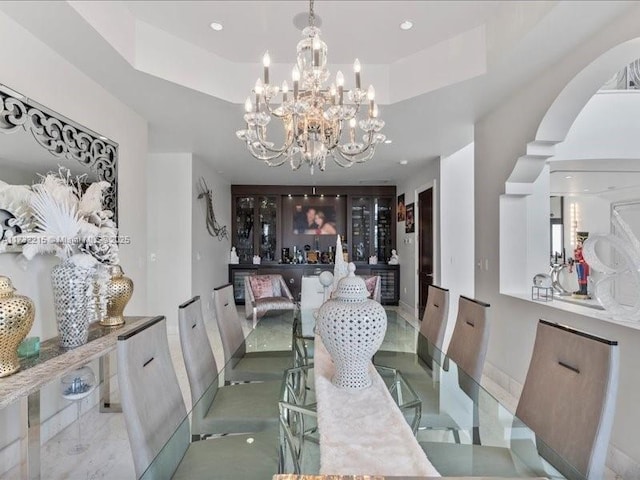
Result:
[[35, 141]]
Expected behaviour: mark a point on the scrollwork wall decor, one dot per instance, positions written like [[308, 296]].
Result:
[[214, 229], [63, 138]]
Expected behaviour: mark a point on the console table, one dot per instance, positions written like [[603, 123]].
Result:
[[52, 363]]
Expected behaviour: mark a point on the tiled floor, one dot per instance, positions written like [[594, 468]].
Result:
[[108, 455]]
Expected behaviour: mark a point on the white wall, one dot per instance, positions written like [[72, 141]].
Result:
[[33, 69], [607, 127], [169, 224], [406, 242], [185, 260], [500, 138], [457, 227], [209, 256]]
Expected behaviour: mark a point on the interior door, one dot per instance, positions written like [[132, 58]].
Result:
[[425, 247]]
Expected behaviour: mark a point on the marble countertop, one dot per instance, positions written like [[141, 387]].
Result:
[[54, 361]]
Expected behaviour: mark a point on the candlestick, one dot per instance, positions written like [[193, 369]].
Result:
[[295, 74], [352, 130], [340, 83], [356, 69], [285, 91], [266, 61], [258, 90]]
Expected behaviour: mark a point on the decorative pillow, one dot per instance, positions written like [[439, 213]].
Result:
[[371, 285], [261, 286], [275, 286]]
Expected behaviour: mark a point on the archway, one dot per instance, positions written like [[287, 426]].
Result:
[[524, 208]]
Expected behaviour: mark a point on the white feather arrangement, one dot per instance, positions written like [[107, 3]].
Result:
[[56, 220], [69, 223], [91, 201]]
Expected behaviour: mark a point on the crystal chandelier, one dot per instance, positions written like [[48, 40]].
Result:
[[314, 117]]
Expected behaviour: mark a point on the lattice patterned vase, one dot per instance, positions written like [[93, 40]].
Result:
[[72, 292], [16, 318], [352, 328], [119, 292]]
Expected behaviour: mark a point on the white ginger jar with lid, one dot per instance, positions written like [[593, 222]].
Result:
[[352, 328]]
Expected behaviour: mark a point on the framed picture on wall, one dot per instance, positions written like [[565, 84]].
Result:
[[410, 226], [401, 208], [314, 219]]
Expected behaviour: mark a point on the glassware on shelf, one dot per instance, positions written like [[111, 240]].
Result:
[[75, 386]]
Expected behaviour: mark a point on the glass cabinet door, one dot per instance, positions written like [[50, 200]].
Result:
[[244, 228], [383, 225], [361, 229], [267, 217]]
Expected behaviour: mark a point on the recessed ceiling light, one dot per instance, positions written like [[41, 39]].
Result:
[[404, 162], [216, 26], [388, 140], [406, 25], [568, 176], [586, 190]]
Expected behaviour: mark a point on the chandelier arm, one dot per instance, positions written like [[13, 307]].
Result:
[[279, 151], [369, 144], [344, 163], [360, 156], [260, 156]]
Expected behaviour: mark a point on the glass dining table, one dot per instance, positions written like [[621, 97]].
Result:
[[464, 430]]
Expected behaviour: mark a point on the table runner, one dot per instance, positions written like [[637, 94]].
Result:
[[363, 432]]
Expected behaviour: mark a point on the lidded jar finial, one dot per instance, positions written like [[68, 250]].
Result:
[[351, 289]]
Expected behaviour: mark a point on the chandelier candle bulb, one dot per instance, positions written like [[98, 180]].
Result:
[[352, 130], [332, 92], [258, 90], [285, 91], [340, 83], [295, 75], [266, 61], [371, 95], [247, 105], [356, 69]]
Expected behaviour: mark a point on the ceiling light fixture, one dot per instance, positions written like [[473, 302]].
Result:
[[406, 25], [568, 176], [314, 117], [388, 141], [216, 26], [404, 162]]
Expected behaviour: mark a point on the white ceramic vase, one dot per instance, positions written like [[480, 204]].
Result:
[[352, 328]]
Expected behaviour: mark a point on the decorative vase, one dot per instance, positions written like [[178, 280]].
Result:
[[352, 328], [16, 318], [73, 289], [119, 292]]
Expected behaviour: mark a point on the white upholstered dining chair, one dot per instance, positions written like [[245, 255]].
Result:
[[158, 425], [431, 333], [240, 365], [568, 400], [241, 408]]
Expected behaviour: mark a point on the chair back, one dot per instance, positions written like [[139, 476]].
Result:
[[374, 286], [311, 292], [152, 403], [569, 396], [228, 322], [199, 361], [434, 320], [433, 326], [468, 346]]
